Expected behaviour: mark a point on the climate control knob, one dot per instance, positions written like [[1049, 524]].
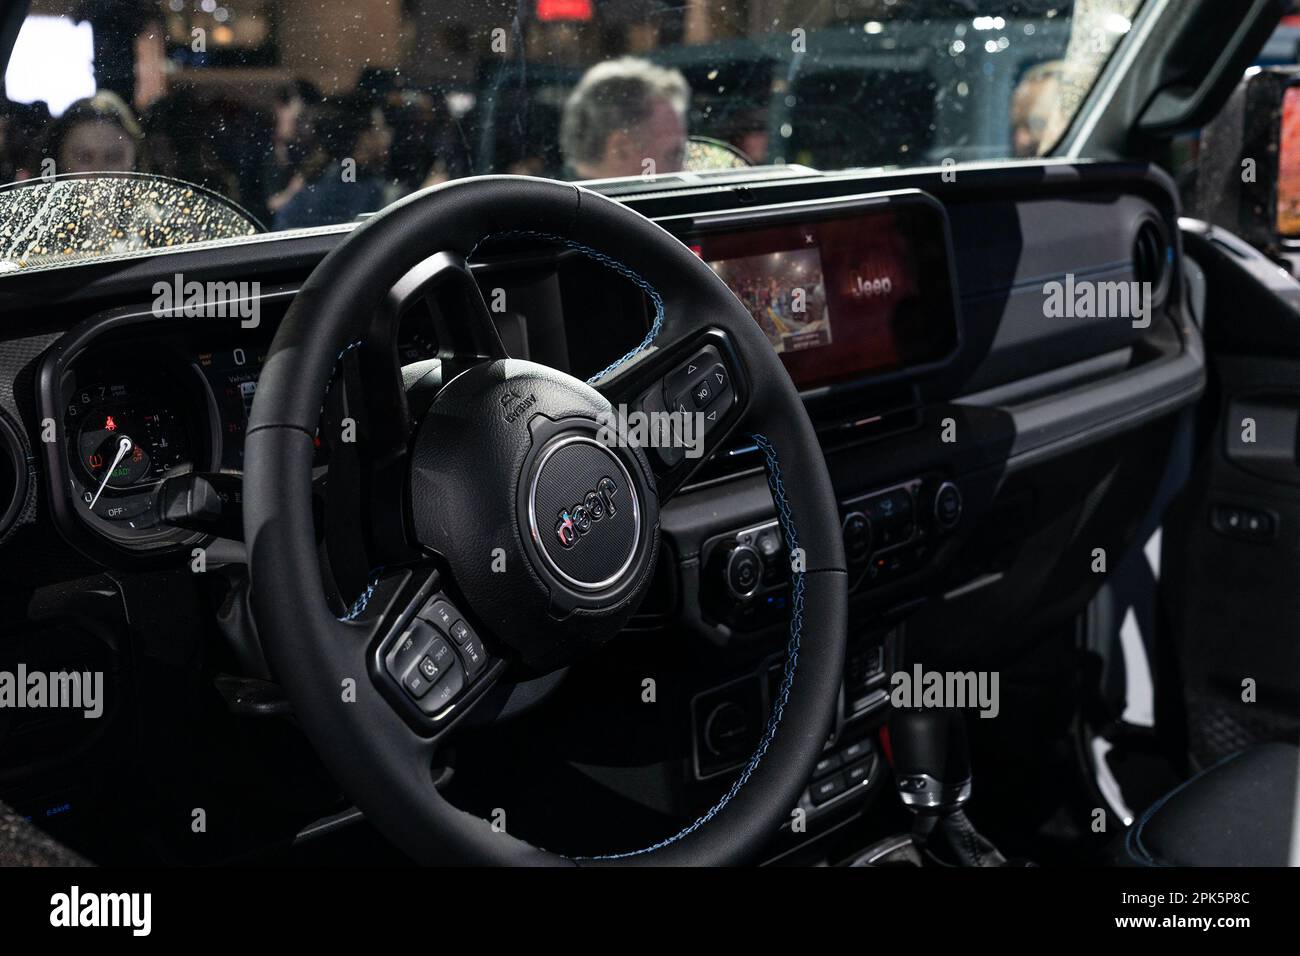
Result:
[[742, 571], [947, 506]]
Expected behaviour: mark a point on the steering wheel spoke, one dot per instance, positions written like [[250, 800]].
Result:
[[364, 428], [443, 288], [679, 402], [375, 402]]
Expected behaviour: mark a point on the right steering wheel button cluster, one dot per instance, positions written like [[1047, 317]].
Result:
[[701, 384]]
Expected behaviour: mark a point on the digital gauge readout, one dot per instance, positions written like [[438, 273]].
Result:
[[232, 373]]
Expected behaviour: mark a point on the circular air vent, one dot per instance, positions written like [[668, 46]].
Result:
[[1151, 256], [13, 474]]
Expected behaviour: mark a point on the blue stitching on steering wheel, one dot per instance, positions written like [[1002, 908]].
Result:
[[608, 262], [791, 661], [359, 605]]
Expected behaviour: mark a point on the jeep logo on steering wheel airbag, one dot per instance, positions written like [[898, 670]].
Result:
[[577, 520]]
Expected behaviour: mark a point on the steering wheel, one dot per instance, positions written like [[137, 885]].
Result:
[[517, 529]]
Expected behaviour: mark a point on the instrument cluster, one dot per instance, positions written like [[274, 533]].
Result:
[[137, 406], [133, 416]]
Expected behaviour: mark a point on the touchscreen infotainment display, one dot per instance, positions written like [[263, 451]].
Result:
[[847, 297]]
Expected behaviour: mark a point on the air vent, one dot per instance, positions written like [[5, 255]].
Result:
[[1150, 256], [13, 475]]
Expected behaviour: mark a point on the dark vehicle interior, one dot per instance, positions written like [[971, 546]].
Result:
[[336, 625]]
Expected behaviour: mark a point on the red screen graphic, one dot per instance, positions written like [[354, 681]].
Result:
[[844, 298], [1288, 165], [553, 10]]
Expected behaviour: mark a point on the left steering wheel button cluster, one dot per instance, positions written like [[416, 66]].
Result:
[[436, 656]]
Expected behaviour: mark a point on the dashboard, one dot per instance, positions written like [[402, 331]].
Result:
[[902, 312], [979, 449], [884, 306], [851, 293]]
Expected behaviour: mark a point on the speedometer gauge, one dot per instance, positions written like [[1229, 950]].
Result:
[[125, 435], [158, 442]]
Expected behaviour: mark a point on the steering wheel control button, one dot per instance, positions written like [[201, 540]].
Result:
[[445, 691], [440, 613], [701, 384], [719, 383], [441, 656], [683, 378], [415, 683], [472, 655], [434, 666], [702, 393], [411, 646], [429, 670], [460, 633], [584, 513]]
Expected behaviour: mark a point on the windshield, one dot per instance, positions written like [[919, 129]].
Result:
[[313, 114]]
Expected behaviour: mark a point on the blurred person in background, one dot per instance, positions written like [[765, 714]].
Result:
[[291, 100], [20, 139], [95, 134], [339, 157], [184, 136], [1032, 104], [421, 138], [626, 117]]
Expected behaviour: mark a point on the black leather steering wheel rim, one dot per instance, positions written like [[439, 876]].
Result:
[[380, 762]]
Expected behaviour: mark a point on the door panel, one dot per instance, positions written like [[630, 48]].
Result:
[[1231, 565]]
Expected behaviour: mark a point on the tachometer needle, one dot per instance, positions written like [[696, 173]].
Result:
[[123, 447]]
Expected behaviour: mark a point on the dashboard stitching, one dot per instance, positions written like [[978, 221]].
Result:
[[777, 487], [610, 263]]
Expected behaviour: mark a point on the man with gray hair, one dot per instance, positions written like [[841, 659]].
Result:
[[626, 117]]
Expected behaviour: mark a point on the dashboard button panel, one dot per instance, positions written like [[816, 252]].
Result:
[[888, 534], [947, 505]]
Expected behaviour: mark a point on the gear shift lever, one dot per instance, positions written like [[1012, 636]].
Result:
[[931, 759], [933, 777]]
